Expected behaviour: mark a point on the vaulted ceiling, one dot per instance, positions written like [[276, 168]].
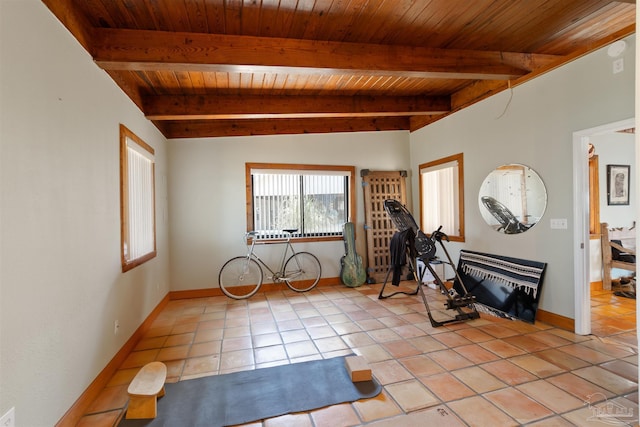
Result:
[[204, 68]]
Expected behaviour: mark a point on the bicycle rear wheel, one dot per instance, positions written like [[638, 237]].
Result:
[[240, 277], [302, 271]]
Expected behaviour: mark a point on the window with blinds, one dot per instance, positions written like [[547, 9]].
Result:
[[442, 196], [314, 200], [137, 186]]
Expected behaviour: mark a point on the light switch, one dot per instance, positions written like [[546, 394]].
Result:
[[559, 223]]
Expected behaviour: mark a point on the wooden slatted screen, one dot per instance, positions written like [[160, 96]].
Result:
[[379, 186]]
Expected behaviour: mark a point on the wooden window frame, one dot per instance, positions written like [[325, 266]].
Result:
[[128, 264], [459, 158], [594, 197], [302, 167]]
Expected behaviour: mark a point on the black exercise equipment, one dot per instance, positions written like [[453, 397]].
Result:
[[418, 245]]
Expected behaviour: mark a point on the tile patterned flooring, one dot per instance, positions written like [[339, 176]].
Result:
[[487, 372]]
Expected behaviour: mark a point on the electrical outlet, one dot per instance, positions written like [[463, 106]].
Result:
[[116, 326], [618, 65], [9, 419]]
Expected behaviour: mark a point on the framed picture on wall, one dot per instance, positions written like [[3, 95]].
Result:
[[617, 184]]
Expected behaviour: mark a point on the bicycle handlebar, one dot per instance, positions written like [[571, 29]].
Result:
[[254, 234]]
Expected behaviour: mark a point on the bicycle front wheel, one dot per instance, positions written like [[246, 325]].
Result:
[[302, 271], [240, 277]]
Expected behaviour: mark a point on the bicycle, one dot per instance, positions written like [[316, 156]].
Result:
[[242, 276]]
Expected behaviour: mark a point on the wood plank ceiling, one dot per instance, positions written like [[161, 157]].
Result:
[[206, 68]]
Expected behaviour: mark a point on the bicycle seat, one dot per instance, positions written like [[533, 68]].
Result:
[[290, 230]]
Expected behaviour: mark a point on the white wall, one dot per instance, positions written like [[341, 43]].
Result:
[[536, 130], [61, 285], [207, 187]]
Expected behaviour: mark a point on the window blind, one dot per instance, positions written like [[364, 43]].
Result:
[[141, 210], [313, 202]]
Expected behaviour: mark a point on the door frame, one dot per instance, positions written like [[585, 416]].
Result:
[[581, 252]]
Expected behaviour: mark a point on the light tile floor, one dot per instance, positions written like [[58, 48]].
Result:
[[613, 316], [488, 372]]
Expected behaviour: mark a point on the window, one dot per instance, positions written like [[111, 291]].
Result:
[[442, 196], [137, 200], [315, 200]]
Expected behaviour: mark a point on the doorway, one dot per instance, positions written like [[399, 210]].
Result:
[[582, 253]]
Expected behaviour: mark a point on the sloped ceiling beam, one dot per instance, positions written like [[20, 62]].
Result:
[[479, 90]]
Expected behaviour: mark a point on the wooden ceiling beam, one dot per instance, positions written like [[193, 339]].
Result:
[[261, 107], [222, 128], [171, 51]]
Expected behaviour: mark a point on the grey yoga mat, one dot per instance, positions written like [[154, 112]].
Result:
[[243, 397]]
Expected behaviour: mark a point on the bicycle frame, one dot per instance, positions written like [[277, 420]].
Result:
[[276, 276], [241, 276]]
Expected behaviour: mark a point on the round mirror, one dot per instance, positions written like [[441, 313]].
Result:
[[512, 199]]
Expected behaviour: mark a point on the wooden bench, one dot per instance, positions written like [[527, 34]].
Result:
[[627, 238], [144, 390]]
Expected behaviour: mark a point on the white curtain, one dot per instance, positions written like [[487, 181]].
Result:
[[440, 199]]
